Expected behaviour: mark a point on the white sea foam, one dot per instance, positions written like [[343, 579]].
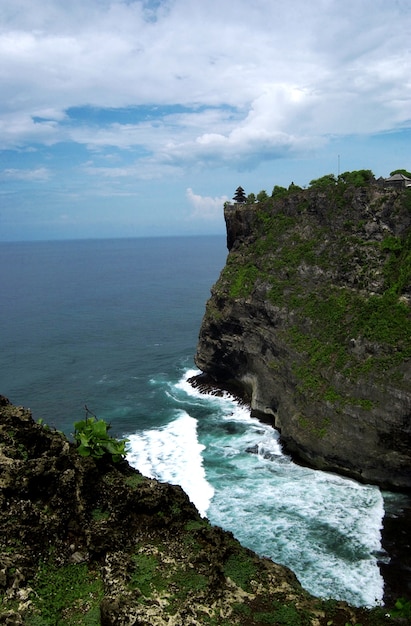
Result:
[[195, 392], [173, 454], [324, 527]]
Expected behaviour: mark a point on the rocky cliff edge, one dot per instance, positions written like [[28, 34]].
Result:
[[310, 322], [94, 542]]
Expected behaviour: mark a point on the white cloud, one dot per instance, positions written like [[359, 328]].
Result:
[[40, 174], [260, 80], [204, 207], [144, 169]]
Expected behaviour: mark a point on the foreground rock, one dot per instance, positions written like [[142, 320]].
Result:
[[310, 322], [87, 542]]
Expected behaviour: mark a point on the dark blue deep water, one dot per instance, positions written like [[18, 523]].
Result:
[[113, 324], [94, 321]]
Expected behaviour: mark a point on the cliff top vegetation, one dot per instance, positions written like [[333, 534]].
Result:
[[311, 319], [338, 253], [356, 178]]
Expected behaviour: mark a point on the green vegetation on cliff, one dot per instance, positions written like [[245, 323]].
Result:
[[310, 321], [93, 439], [317, 258]]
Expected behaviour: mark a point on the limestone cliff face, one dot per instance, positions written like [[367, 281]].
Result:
[[310, 321]]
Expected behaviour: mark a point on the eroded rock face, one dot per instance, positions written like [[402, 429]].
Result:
[[310, 322], [92, 542]]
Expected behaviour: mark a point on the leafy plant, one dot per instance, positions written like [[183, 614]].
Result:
[[402, 608], [278, 191], [93, 439], [262, 195], [251, 198], [135, 480], [99, 515], [41, 422]]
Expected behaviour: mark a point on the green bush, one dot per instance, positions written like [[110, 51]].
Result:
[[93, 440], [402, 609], [251, 198], [358, 178], [279, 192], [324, 182]]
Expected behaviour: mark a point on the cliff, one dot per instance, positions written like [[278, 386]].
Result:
[[85, 541], [310, 323]]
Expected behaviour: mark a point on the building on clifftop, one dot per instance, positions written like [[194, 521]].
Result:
[[397, 180], [239, 196]]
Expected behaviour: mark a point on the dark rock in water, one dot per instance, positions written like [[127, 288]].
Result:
[[310, 323], [86, 541], [207, 384], [269, 456]]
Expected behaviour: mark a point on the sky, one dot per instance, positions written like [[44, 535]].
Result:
[[129, 118]]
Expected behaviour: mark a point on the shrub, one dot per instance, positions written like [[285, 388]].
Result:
[[278, 192], [324, 182], [358, 178], [93, 439]]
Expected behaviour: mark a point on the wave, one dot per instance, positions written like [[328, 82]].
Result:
[[173, 454], [326, 528]]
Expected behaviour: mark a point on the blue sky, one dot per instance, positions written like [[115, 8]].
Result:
[[127, 118]]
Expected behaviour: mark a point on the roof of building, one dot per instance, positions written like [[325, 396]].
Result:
[[399, 177]]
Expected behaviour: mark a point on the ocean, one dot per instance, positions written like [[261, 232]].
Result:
[[113, 325]]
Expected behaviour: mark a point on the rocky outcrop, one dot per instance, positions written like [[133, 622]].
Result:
[[310, 321], [86, 541]]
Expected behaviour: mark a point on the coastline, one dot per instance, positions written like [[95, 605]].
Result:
[[395, 566]]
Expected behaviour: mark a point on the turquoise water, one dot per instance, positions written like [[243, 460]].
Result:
[[113, 325]]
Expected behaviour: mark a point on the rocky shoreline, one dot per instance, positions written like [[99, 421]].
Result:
[[86, 541], [395, 563], [310, 321]]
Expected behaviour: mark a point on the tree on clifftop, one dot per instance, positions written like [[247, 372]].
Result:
[[262, 195], [403, 172], [239, 195], [325, 181], [358, 178], [251, 198]]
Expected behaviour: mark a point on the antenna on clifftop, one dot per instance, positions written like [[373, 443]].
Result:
[[338, 165]]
